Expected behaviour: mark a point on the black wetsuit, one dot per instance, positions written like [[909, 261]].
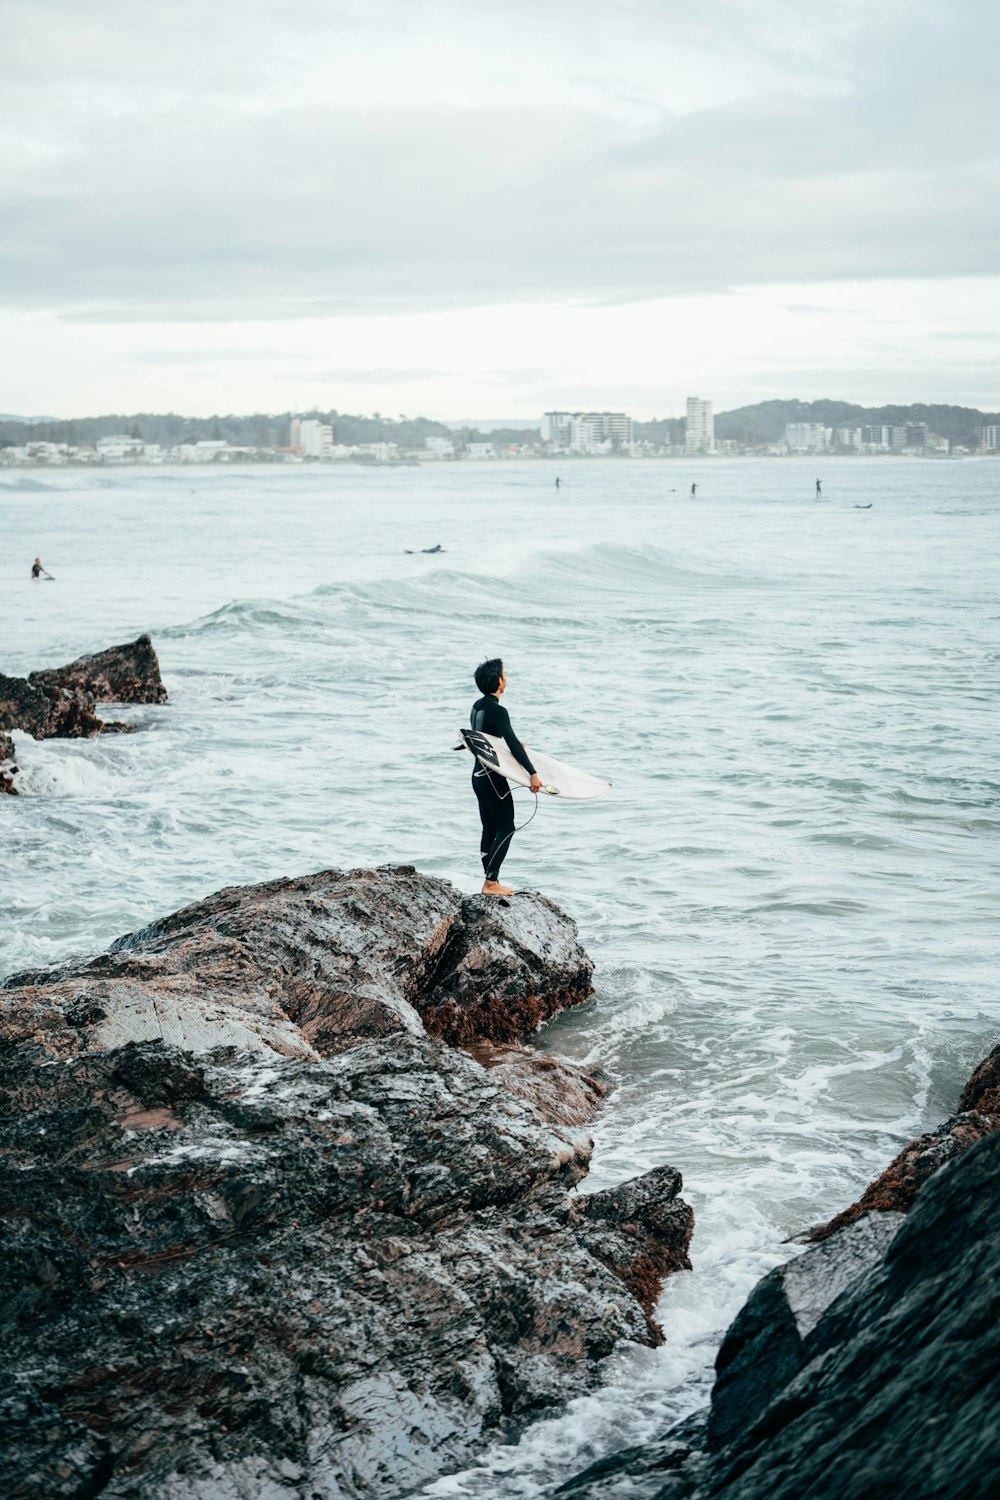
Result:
[[496, 802]]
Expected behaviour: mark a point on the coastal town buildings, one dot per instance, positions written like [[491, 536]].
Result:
[[699, 432], [575, 434], [807, 437], [586, 431]]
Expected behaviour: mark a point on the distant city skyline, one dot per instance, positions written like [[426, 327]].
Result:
[[482, 208]]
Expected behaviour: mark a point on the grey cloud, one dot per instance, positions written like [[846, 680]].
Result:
[[192, 190]]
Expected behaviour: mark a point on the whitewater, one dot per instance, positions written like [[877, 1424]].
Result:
[[790, 894]]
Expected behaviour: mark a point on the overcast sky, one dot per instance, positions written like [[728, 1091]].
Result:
[[483, 208]]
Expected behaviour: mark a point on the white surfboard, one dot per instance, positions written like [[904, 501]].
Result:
[[558, 779]]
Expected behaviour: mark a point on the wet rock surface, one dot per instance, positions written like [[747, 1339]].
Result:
[[310, 966], [326, 1254], [8, 770], [46, 712], [121, 674], [868, 1366]]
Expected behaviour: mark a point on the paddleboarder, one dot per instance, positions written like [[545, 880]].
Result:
[[37, 571], [496, 803], [819, 489]]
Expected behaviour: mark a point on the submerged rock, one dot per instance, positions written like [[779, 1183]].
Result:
[[121, 674], [262, 1235]]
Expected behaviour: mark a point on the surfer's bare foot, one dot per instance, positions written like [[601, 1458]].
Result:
[[494, 888]]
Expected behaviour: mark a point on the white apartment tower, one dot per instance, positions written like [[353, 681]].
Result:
[[586, 431], [315, 438], [699, 436]]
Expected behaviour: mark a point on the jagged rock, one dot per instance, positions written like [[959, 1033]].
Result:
[[869, 1366], [8, 770], [46, 712], [59, 704], [121, 674], [310, 966], [506, 968], [901, 1382], [981, 1094], [319, 1262], [765, 1346], [641, 1230]]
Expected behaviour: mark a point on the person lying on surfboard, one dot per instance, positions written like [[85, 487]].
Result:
[[496, 804]]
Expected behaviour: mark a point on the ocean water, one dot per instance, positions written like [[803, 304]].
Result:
[[790, 894]]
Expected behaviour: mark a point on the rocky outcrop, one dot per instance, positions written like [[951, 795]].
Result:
[[121, 674], [59, 703], [868, 1366], [263, 1235], [311, 966], [46, 712]]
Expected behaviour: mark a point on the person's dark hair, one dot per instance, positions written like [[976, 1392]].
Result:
[[488, 675]]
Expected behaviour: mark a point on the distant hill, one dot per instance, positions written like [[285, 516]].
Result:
[[765, 422], [752, 425], [258, 430]]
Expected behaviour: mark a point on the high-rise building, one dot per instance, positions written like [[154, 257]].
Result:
[[315, 438], [699, 435], [586, 431], [807, 437], [989, 439]]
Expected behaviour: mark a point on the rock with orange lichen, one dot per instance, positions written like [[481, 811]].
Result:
[[262, 1234], [561, 1092], [981, 1094]]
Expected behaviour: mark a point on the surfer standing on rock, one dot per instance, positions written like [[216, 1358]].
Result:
[[496, 803]]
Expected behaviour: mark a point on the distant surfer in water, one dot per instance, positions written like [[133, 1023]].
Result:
[[694, 491], [37, 571], [558, 481], [496, 802], [819, 489]]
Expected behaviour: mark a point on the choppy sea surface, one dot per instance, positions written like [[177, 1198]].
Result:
[[790, 894]]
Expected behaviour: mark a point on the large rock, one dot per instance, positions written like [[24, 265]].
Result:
[[329, 1258], [310, 966], [47, 712], [867, 1366], [59, 703], [121, 674], [766, 1345], [900, 1386]]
